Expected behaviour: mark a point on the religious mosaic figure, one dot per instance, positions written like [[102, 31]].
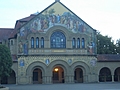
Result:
[[21, 63], [22, 32], [25, 48], [20, 47], [58, 18]]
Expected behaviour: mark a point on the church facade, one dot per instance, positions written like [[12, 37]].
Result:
[[57, 46]]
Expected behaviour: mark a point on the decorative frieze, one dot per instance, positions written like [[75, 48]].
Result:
[[57, 51], [25, 61]]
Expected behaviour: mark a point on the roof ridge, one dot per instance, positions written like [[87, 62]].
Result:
[[6, 28]]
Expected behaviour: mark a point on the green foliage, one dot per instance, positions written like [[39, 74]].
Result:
[[51, 11], [118, 46], [105, 45], [5, 61]]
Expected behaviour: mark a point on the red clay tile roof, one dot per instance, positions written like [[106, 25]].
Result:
[[19, 22], [13, 34], [14, 57], [5, 33], [108, 57], [17, 25], [27, 18]]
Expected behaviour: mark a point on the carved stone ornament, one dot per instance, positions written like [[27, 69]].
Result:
[[21, 63], [93, 62], [47, 61], [69, 61]]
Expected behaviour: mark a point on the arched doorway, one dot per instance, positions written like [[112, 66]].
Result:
[[105, 75], [58, 75], [9, 80], [37, 76], [117, 75], [78, 75]]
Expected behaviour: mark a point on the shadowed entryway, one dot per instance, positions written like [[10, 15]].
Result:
[[78, 75], [117, 75], [58, 75], [105, 75], [37, 76], [9, 80]]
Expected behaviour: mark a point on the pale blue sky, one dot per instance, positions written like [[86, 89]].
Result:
[[102, 15]]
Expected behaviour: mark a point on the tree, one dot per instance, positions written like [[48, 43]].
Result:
[[5, 62], [51, 11], [105, 45], [118, 46]]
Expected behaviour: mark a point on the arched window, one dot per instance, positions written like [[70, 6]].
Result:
[[83, 43], [78, 43], [58, 40], [37, 42], [42, 42], [32, 42], [105, 75], [74, 43], [117, 74], [11, 42]]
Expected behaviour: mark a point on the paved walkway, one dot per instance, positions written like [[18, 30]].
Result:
[[91, 86]]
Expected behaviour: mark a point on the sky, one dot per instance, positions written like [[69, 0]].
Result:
[[102, 15]]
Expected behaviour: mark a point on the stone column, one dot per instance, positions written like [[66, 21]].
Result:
[[66, 79], [50, 78], [30, 80], [112, 73], [97, 78], [71, 79], [47, 79], [112, 78], [16, 80], [43, 80], [85, 78]]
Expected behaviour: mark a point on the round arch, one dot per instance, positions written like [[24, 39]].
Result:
[[82, 65], [105, 75], [83, 68], [117, 74], [78, 75], [62, 29], [9, 80], [35, 65], [37, 75], [58, 75], [61, 65]]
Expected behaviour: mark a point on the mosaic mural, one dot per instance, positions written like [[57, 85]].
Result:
[[44, 22], [51, 17]]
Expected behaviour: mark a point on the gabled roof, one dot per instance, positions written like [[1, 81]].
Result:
[[108, 57], [27, 18], [56, 1], [75, 14], [18, 24], [5, 33], [32, 16]]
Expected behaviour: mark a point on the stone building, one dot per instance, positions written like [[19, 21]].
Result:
[[56, 46]]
